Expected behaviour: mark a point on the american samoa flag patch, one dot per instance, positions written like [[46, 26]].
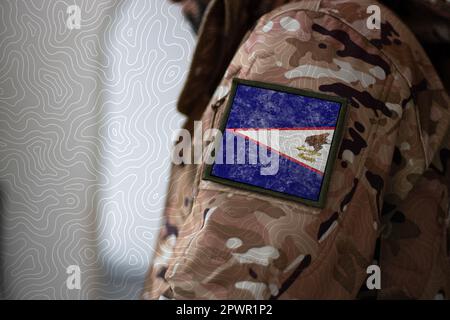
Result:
[[278, 140]]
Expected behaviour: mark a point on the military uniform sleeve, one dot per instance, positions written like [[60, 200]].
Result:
[[240, 244]]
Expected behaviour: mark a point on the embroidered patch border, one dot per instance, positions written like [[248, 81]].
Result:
[[320, 199]]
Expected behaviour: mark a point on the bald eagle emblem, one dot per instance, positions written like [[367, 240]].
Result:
[[313, 144]]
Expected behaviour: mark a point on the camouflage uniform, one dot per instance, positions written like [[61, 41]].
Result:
[[390, 181]]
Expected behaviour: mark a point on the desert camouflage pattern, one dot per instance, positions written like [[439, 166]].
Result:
[[389, 187]]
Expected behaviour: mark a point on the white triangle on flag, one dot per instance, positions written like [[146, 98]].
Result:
[[308, 147]]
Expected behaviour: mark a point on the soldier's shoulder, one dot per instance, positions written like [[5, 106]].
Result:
[[393, 39]]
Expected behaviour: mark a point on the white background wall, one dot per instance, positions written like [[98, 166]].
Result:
[[86, 117]]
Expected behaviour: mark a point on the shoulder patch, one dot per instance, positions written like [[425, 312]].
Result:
[[278, 140]]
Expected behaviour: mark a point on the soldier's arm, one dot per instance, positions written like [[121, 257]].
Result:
[[243, 244]]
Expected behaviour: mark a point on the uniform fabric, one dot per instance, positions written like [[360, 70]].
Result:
[[278, 141], [389, 182]]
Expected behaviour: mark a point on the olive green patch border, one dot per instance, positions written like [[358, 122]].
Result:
[[335, 142]]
